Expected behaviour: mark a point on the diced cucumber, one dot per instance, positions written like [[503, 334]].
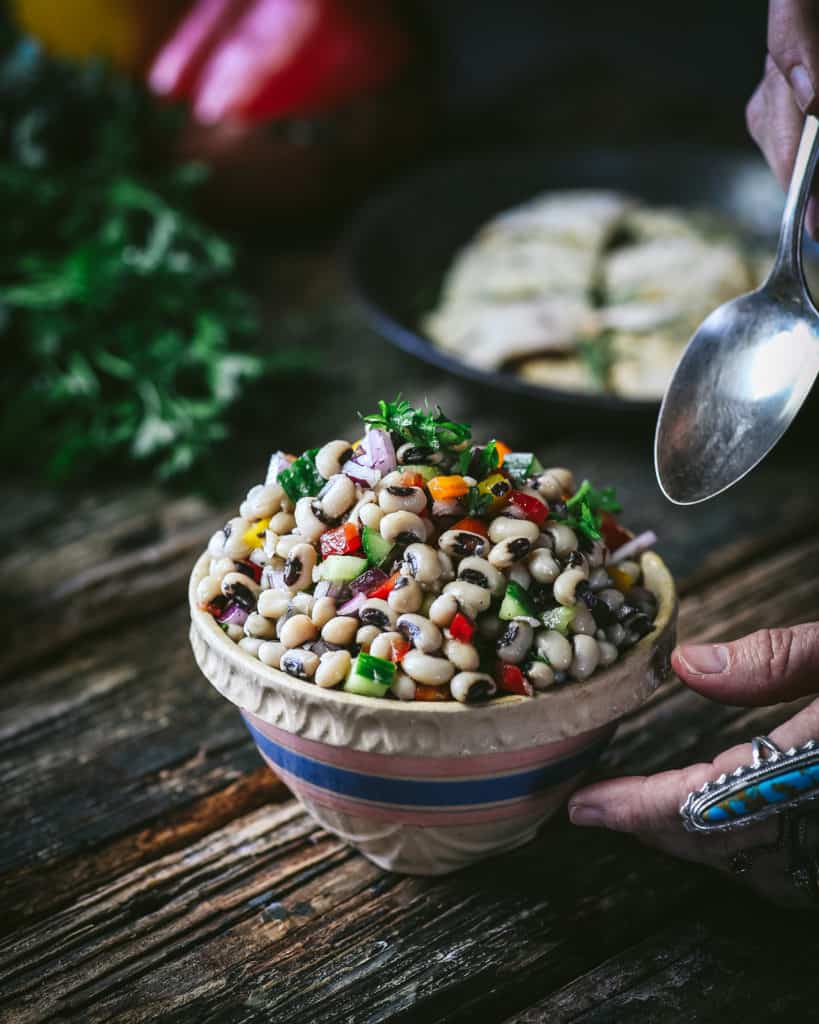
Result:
[[521, 465], [370, 676], [559, 619], [375, 547], [516, 603], [427, 472], [341, 568]]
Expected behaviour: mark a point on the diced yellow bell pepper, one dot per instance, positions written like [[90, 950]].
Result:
[[621, 578], [254, 534], [498, 488]]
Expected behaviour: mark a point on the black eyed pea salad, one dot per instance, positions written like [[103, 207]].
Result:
[[416, 565]]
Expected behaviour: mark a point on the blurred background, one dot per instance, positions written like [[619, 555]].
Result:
[[176, 177]]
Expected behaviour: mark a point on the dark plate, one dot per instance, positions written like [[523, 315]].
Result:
[[401, 244]]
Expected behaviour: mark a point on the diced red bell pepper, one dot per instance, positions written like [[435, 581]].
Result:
[[410, 480], [384, 589], [343, 540], [398, 649], [614, 535], [511, 680], [471, 525], [250, 569], [461, 628], [531, 508]]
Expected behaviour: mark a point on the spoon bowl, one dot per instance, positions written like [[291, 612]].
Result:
[[746, 371]]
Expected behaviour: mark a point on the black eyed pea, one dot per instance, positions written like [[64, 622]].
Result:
[[376, 612], [397, 498], [586, 657], [332, 456], [630, 569], [472, 599], [234, 632], [443, 610], [555, 648], [447, 567], [597, 554], [543, 566], [555, 482], [540, 675], [216, 544], [613, 597], [251, 644], [616, 634], [208, 588], [472, 687], [337, 496], [271, 542], [257, 557], [599, 579], [264, 500], [257, 626], [273, 603], [403, 527], [483, 574], [298, 568], [286, 544], [411, 454], [505, 527], [340, 630], [427, 669], [565, 586], [421, 562], [514, 643], [463, 656], [608, 652], [220, 567], [449, 507], [382, 645], [309, 524], [270, 653], [240, 588], [302, 602], [422, 634], [463, 543], [583, 621], [520, 575], [299, 663], [564, 539], [297, 630], [402, 686], [406, 595], [507, 552], [370, 515], [333, 668], [365, 636], [324, 609], [490, 626], [282, 523], [235, 544]]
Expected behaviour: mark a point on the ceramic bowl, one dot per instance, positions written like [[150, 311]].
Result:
[[426, 788]]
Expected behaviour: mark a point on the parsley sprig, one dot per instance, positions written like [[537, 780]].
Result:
[[427, 428], [584, 508]]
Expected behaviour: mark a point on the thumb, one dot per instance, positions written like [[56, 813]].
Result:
[[793, 42], [766, 667]]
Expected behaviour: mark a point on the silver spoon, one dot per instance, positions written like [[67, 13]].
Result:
[[748, 368]]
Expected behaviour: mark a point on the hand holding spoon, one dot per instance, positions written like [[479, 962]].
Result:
[[748, 368]]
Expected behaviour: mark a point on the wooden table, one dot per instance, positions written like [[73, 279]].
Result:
[[153, 869]]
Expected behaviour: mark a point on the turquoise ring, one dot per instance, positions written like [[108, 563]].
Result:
[[774, 782]]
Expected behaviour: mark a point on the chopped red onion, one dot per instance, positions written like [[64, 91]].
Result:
[[361, 474], [233, 615], [278, 462], [636, 546], [368, 580], [351, 607], [378, 451]]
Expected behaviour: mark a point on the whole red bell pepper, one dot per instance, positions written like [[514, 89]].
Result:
[[250, 60]]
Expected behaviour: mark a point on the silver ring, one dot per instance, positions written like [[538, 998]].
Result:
[[774, 782]]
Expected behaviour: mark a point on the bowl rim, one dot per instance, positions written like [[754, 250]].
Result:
[[560, 711]]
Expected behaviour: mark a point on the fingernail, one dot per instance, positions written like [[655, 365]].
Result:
[[705, 659], [585, 814], [802, 87]]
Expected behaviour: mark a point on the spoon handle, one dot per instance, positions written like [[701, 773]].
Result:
[[789, 251]]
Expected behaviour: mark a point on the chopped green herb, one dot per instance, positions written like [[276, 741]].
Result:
[[477, 504], [301, 478], [428, 429], [584, 508]]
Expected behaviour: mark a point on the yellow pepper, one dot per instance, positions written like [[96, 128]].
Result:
[[254, 534], [498, 488], [622, 579], [126, 32], [445, 488]]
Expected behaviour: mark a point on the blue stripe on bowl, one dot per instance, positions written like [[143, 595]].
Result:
[[425, 792]]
